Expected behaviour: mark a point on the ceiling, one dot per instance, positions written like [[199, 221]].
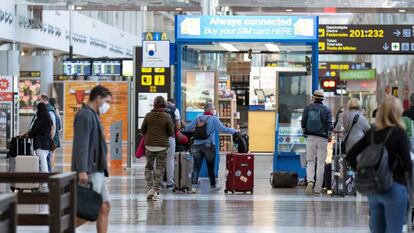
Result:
[[237, 6]]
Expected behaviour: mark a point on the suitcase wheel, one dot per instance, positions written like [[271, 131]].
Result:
[[225, 191], [12, 189], [251, 192], [233, 192]]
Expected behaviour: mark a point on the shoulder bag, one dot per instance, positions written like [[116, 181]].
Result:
[[343, 143]]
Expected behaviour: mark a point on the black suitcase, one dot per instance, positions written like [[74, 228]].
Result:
[[343, 178]]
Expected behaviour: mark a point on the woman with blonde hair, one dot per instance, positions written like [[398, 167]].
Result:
[[389, 209], [354, 123]]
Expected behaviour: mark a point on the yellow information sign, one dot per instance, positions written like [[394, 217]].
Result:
[[159, 70], [159, 80], [153, 89], [146, 80], [146, 70]]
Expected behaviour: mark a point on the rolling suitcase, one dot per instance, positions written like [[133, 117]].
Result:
[[25, 161], [183, 170], [343, 178], [239, 173]]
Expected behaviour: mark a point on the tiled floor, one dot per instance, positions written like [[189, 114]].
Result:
[[268, 210]]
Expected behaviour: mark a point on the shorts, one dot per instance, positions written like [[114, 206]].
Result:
[[99, 185]]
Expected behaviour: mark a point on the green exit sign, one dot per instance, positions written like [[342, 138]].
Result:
[[357, 75]]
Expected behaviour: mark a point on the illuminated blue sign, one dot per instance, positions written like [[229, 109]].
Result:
[[248, 28]]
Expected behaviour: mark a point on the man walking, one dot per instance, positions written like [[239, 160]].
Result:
[[89, 156], [317, 126]]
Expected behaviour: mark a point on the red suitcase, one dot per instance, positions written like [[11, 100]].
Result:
[[239, 173]]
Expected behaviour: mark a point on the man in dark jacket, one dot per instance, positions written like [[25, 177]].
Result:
[[317, 126], [43, 98], [89, 156]]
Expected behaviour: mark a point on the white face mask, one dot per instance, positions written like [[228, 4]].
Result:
[[104, 108]]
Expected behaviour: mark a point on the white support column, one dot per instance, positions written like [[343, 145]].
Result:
[[209, 7], [9, 59]]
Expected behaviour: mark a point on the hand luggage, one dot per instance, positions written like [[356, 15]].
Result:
[[183, 170], [284, 179], [88, 204], [241, 142], [239, 173], [25, 161], [20, 146], [343, 178]]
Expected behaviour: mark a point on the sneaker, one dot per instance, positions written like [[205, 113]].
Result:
[[309, 189], [150, 194], [194, 189], [156, 197], [215, 189]]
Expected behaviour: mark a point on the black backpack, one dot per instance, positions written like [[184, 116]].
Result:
[[241, 141], [200, 131], [373, 173]]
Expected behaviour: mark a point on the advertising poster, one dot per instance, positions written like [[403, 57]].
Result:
[[199, 90], [77, 93], [5, 124], [29, 89], [119, 108]]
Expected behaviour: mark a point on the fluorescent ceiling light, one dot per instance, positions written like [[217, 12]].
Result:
[[229, 47], [272, 47], [178, 9], [289, 10], [79, 8], [401, 11]]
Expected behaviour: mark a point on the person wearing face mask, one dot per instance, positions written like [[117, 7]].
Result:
[[205, 128], [89, 156]]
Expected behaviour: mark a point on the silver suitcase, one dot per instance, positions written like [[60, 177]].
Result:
[[183, 170], [25, 163]]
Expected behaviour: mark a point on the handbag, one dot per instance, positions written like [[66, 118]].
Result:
[[88, 203], [343, 143], [284, 179], [141, 149]]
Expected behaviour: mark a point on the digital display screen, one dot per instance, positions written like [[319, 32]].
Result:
[[77, 68], [127, 68], [106, 68]]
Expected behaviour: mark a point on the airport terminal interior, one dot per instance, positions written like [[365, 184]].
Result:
[[255, 65]]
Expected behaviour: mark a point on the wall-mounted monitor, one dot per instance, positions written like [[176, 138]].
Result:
[[127, 68], [106, 67], [77, 67]]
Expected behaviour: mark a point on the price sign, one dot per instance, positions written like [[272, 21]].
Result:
[[366, 39], [6, 84]]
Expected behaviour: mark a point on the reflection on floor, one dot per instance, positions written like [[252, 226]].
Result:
[[268, 210]]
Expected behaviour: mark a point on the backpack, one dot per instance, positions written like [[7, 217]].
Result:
[[314, 120], [170, 110], [200, 131], [373, 173], [242, 142]]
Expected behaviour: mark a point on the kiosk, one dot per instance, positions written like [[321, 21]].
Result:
[[277, 91]]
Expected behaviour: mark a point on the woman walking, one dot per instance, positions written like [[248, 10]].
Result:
[[389, 209]]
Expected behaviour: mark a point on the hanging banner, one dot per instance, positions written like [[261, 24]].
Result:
[[366, 39], [265, 28]]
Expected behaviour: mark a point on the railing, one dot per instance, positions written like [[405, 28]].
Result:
[[61, 199], [8, 213]]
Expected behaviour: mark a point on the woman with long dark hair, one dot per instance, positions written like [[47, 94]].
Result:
[[41, 132]]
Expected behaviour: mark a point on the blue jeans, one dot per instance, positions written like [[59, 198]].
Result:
[[208, 151], [388, 210]]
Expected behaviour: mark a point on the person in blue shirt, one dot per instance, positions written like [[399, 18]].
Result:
[[206, 147]]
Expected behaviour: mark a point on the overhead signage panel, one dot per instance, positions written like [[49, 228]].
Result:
[[358, 75], [248, 28], [333, 69], [366, 39]]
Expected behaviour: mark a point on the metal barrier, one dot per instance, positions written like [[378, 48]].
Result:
[[61, 199], [8, 213]]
